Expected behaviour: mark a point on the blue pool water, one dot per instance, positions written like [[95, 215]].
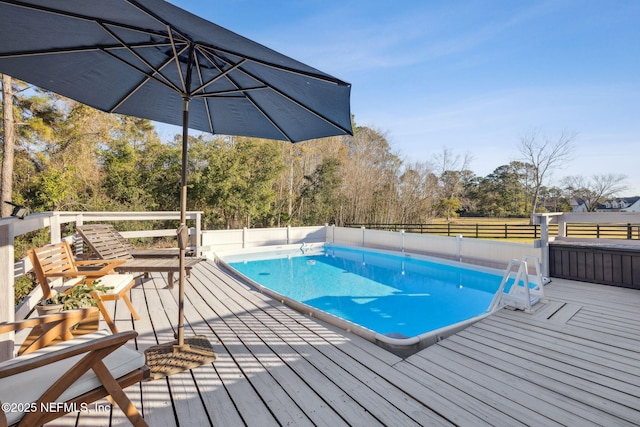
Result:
[[393, 295]]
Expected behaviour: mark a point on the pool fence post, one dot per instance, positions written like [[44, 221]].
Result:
[[288, 234], [402, 240], [458, 247], [363, 232], [544, 221], [244, 237]]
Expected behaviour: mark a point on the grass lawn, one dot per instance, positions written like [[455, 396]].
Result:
[[481, 220]]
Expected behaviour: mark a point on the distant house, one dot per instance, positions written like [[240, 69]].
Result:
[[619, 204], [578, 205]]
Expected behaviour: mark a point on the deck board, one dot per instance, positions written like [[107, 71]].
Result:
[[574, 361], [548, 408], [304, 364]]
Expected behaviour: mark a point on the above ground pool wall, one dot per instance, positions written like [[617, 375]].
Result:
[[222, 240], [477, 251]]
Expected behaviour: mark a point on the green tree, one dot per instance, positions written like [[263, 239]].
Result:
[[70, 177], [158, 171], [122, 157], [233, 180], [452, 171], [321, 193], [448, 208]]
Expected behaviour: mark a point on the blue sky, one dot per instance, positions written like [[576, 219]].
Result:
[[470, 76]]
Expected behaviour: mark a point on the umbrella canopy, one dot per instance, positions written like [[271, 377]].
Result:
[[150, 59], [142, 58]]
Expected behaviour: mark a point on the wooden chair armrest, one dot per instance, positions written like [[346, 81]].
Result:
[[73, 274], [107, 264], [68, 274], [107, 344]]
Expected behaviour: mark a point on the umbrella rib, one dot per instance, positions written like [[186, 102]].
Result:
[[229, 93], [177, 59], [317, 76], [222, 74], [145, 80], [206, 104], [162, 81], [268, 117], [284, 95], [140, 58], [243, 91], [299, 104], [203, 85], [79, 49], [53, 11]]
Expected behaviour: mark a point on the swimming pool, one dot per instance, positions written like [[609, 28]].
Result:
[[401, 301]]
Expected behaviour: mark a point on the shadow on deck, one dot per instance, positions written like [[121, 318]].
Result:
[[575, 361]]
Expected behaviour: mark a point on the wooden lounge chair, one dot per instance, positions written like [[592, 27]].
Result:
[[106, 243], [47, 383], [56, 261]]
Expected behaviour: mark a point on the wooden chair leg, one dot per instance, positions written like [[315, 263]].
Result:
[[133, 311], [118, 395], [38, 416], [105, 313], [3, 419]]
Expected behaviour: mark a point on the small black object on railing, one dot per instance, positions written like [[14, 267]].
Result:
[[19, 211]]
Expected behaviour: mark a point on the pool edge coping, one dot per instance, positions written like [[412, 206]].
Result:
[[402, 347]]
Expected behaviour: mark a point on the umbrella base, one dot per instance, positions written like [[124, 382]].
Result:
[[169, 359]]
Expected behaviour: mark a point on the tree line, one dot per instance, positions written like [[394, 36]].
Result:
[[67, 156]]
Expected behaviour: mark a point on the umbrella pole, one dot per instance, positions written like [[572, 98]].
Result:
[[179, 356], [183, 233]]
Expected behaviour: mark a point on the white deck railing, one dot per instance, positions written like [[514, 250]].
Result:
[[11, 269]]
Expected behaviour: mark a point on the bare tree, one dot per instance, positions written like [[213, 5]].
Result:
[[451, 170], [6, 178], [595, 191], [416, 193], [449, 167], [544, 154]]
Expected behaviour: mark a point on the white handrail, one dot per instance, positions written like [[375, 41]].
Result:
[[497, 298], [519, 296]]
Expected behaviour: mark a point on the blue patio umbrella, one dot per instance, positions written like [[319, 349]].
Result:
[[150, 59]]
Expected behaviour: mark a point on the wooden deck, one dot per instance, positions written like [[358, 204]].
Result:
[[575, 361]]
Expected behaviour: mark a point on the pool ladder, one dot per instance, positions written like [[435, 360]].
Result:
[[521, 296]]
